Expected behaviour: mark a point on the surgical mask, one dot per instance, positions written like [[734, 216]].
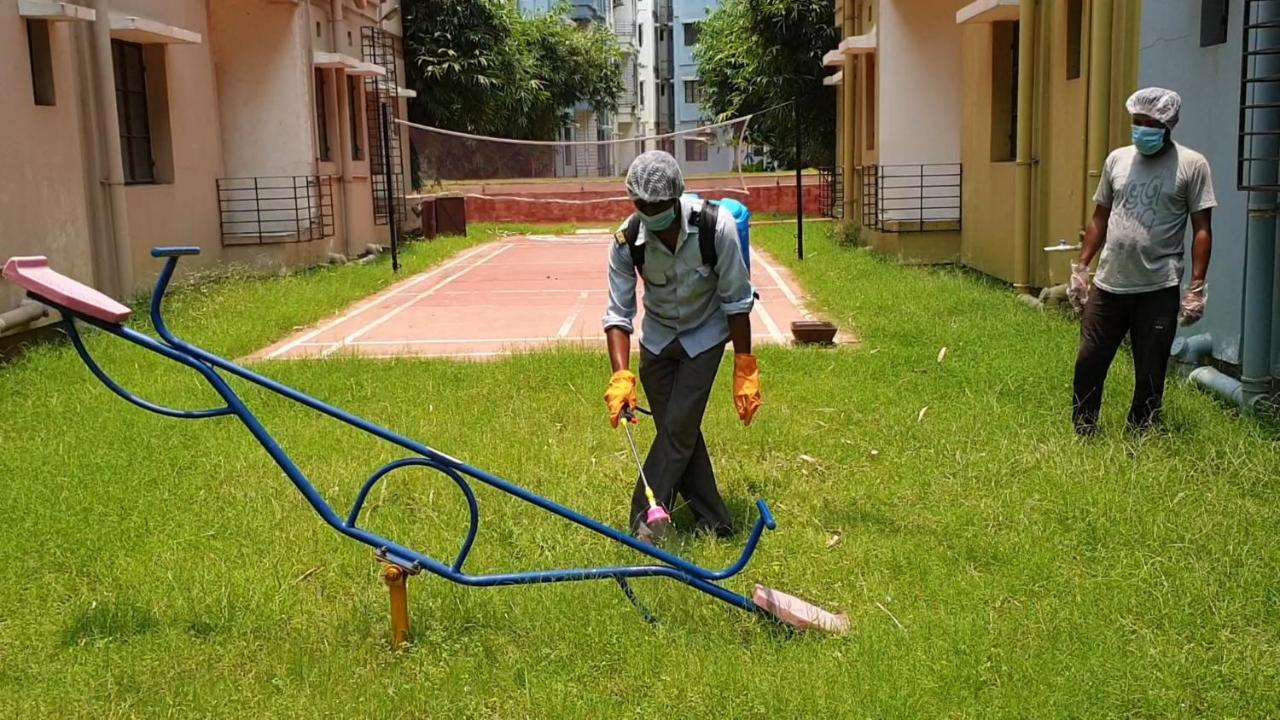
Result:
[[661, 221], [1148, 140]]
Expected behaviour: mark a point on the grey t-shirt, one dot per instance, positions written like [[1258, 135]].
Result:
[[1150, 200]]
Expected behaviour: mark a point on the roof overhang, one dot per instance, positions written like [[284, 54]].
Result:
[[54, 11], [399, 92], [367, 69], [834, 79], [338, 61], [987, 11], [150, 32], [859, 44]]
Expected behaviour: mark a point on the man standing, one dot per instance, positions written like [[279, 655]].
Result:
[[692, 307], [1147, 192]]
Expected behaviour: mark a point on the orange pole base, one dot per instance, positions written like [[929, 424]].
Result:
[[397, 583]]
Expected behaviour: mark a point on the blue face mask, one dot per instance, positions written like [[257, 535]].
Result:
[[659, 222], [1148, 140]]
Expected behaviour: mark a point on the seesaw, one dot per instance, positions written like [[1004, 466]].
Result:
[[76, 301]]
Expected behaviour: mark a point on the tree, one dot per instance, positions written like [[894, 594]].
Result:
[[754, 55], [481, 67]]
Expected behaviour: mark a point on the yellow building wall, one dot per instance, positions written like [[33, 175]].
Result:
[[1061, 191], [1058, 199], [987, 193]]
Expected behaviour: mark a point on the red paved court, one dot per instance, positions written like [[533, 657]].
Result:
[[516, 294]]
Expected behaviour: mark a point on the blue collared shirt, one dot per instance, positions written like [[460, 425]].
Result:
[[683, 299]]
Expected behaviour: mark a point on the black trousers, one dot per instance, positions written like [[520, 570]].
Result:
[[1151, 321], [677, 387]]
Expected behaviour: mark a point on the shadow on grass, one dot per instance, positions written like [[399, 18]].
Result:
[[110, 622]]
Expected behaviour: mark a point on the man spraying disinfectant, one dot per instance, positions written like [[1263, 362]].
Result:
[[697, 297]]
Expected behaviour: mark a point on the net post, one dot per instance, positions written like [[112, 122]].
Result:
[[392, 220], [799, 183]]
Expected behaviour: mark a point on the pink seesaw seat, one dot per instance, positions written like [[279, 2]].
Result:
[[34, 275]]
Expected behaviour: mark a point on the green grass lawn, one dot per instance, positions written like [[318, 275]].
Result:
[[992, 566]]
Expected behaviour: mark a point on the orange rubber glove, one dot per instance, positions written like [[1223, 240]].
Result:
[[621, 393], [746, 387]]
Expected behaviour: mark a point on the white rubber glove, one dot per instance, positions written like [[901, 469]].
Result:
[[1078, 286], [1193, 302]]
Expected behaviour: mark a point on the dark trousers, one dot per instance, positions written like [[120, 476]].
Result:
[[1151, 322], [677, 387]]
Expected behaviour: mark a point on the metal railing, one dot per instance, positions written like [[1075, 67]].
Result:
[[1258, 149], [911, 198], [625, 30], [831, 192], [275, 210]]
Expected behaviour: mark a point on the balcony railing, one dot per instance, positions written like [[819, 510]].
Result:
[[911, 198], [831, 192], [625, 30], [275, 210]]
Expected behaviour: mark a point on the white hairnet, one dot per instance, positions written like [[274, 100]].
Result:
[[1163, 105], [654, 176]]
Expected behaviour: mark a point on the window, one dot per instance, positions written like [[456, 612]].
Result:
[[641, 94], [322, 118], [1213, 22], [692, 31], [350, 41], [1004, 91], [641, 36], [318, 32], [353, 117], [1075, 23], [662, 34], [131, 109], [41, 62], [870, 103], [667, 145], [692, 91], [695, 151]]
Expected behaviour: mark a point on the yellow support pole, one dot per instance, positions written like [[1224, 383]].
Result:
[[1027, 34], [397, 583], [1098, 132], [849, 98]]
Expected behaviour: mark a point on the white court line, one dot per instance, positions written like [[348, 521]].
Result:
[[405, 305], [770, 324], [782, 284], [357, 310], [573, 316], [539, 291], [483, 341]]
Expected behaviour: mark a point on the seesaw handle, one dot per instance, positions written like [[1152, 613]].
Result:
[[172, 253]]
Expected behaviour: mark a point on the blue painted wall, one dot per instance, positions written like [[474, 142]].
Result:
[[1208, 79]]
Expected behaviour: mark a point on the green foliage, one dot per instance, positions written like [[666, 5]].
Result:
[[481, 67], [756, 54], [846, 233]]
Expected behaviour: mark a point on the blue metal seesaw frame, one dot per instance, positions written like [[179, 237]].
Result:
[[412, 561]]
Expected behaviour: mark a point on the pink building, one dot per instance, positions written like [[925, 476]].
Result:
[[247, 127]]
